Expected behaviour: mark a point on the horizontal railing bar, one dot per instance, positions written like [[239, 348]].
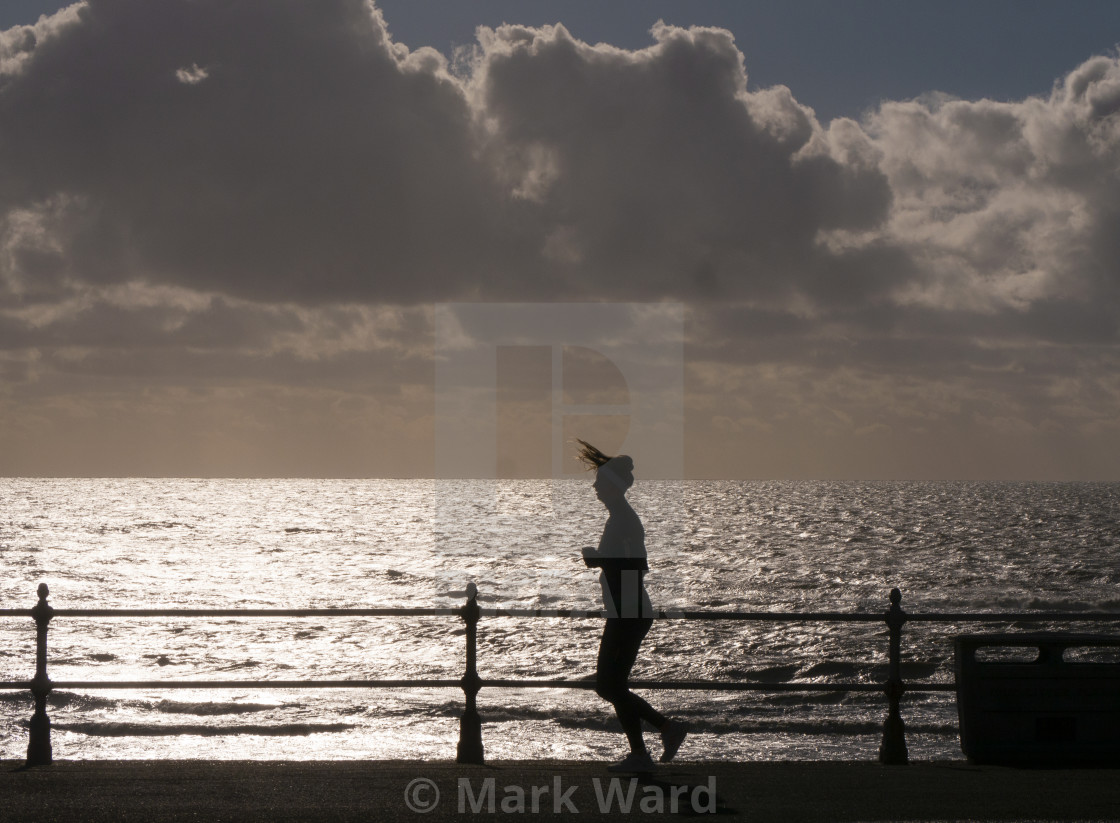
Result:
[[788, 617], [418, 612], [689, 685], [577, 614], [716, 685], [264, 684], [664, 685], [694, 615], [1010, 617]]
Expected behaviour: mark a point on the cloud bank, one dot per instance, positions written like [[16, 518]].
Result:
[[267, 197]]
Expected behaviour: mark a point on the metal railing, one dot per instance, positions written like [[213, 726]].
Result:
[[893, 749]]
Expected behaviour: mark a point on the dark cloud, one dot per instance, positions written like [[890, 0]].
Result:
[[277, 150], [291, 150], [657, 173]]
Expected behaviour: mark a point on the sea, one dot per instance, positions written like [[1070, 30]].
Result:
[[712, 545]]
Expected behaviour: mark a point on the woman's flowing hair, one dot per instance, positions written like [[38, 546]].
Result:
[[621, 466], [590, 456]]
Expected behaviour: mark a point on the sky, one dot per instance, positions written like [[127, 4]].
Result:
[[242, 240]]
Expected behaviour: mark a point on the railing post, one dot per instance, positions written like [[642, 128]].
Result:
[[39, 743], [893, 749], [470, 724]]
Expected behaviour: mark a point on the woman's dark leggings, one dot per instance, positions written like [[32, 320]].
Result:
[[617, 652]]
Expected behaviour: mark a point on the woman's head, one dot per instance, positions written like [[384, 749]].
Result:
[[613, 475]]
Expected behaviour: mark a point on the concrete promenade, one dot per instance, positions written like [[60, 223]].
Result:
[[201, 791]]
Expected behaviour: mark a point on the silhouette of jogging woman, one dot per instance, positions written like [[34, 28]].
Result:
[[621, 556]]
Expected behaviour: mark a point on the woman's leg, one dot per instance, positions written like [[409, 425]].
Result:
[[622, 637], [634, 634]]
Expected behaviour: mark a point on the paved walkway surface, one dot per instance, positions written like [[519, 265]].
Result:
[[202, 791]]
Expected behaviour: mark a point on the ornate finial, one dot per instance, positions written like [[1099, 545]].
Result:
[[896, 597], [472, 590], [43, 591]]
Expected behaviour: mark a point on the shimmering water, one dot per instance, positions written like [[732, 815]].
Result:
[[712, 545]]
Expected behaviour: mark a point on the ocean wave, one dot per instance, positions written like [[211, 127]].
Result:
[[61, 700], [810, 727], [212, 709], [768, 674], [871, 672], [739, 720], [909, 670], [85, 702], [1067, 604], [241, 664], [1024, 603], [177, 729], [833, 669]]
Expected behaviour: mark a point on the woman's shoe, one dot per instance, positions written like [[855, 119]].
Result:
[[672, 735]]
